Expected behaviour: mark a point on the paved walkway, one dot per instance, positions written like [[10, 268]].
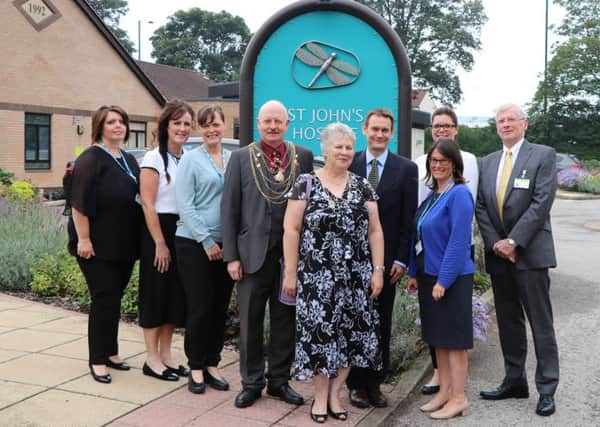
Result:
[[45, 381]]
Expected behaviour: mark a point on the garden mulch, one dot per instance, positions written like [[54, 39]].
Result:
[[45, 381]]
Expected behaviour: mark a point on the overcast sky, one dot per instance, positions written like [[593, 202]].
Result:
[[506, 69]]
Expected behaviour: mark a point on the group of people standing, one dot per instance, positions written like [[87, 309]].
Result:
[[324, 249]]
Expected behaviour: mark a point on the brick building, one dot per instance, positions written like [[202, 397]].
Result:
[[59, 64]]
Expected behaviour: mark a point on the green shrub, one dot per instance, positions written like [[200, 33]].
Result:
[[44, 276], [129, 302], [6, 177], [21, 190], [405, 343], [589, 184], [481, 282], [29, 231], [591, 164]]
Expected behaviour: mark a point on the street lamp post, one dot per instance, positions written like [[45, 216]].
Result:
[[140, 37]]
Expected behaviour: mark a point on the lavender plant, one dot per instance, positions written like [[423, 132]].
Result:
[[568, 178]]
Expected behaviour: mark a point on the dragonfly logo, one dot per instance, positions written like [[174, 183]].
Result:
[[318, 65]]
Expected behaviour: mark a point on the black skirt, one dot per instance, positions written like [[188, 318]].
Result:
[[161, 299], [447, 323]]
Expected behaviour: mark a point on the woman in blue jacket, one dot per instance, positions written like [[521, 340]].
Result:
[[441, 267]]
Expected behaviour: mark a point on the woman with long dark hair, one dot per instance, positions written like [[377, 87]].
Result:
[[104, 232], [161, 299]]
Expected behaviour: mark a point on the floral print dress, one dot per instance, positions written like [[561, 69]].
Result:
[[337, 325]]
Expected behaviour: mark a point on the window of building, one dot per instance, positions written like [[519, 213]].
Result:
[[37, 141], [137, 135]]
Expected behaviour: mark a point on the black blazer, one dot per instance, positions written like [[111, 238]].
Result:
[[397, 191]]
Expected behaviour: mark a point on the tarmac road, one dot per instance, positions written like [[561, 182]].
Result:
[[575, 292]]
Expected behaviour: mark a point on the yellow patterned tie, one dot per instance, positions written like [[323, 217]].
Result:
[[503, 183], [373, 177]]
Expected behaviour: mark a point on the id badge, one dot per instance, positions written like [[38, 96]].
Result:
[[522, 183], [418, 247]]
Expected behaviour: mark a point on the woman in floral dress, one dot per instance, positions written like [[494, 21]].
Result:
[[333, 250]]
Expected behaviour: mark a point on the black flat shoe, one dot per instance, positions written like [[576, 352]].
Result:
[[430, 389], [104, 379], [123, 366], [195, 387], [342, 416], [166, 375], [215, 383], [180, 371]]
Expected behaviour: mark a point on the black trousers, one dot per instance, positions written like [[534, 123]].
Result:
[[364, 378], [516, 294], [254, 291], [207, 287], [106, 282]]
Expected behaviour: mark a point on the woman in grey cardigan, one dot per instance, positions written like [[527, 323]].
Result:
[[207, 284]]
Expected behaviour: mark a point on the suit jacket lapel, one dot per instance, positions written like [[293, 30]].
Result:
[[492, 176], [517, 170], [387, 175], [362, 164]]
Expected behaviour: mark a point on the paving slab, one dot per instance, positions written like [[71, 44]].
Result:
[[78, 349], [62, 408], [32, 341], [6, 355], [128, 386], [161, 414], [13, 318], [42, 369], [12, 392], [70, 325]]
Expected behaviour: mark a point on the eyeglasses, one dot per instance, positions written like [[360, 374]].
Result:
[[443, 126], [441, 162]]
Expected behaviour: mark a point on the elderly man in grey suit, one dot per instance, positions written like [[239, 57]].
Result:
[[516, 190], [257, 179]]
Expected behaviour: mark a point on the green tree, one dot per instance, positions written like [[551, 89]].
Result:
[[111, 12], [439, 36], [565, 112], [209, 42]]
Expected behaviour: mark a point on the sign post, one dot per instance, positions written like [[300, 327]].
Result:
[[327, 61]]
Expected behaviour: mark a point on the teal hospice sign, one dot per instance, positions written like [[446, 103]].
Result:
[[326, 66]]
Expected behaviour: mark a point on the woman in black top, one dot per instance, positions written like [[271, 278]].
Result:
[[104, 232]]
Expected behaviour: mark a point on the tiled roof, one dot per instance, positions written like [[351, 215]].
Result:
[[174, 82]]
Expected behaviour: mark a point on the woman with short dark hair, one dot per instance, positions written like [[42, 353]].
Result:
[[199, 248], [442, 268], [104, 232]]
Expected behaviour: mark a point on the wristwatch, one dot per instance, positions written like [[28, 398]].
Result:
[[511, 242]]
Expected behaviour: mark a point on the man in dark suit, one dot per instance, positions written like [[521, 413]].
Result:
[[516, 191], [395, 180], [258, 177]]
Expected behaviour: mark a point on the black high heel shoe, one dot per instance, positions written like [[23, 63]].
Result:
[[122, 366], [342, 416], [317, 418], [165, 375], [104, 379], [194, 386]]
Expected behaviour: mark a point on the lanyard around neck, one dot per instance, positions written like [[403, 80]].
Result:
[[432, 201], [123, 166]]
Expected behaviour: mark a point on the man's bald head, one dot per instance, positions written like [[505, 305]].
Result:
[[272, 122]]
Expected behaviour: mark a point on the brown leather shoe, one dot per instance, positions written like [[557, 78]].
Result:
[[359, 398], [376, 398]]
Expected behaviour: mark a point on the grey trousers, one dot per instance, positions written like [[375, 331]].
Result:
[[520, 293], [253, 293]]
